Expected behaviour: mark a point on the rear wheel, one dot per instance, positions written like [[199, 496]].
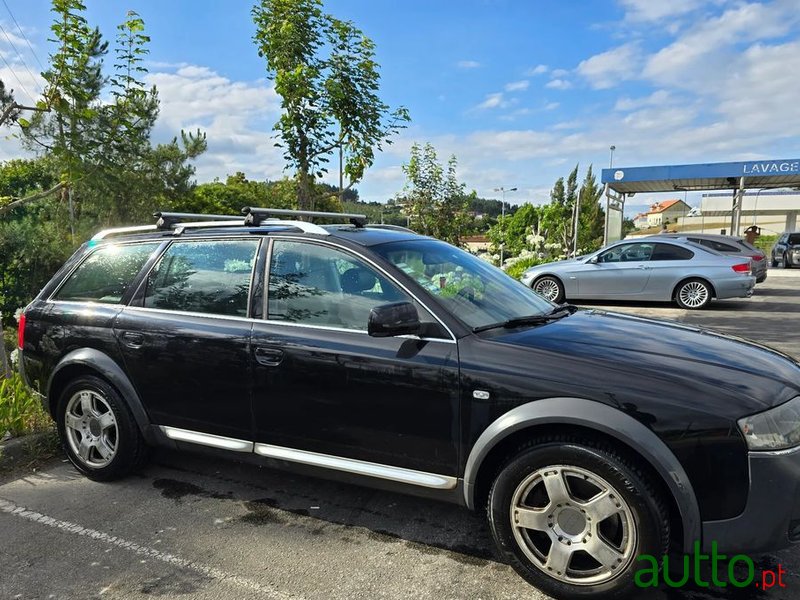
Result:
[[571, 517], [549, 288], [693, 294], [97, 431], [785, 264]]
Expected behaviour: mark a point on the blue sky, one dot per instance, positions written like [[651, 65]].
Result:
[[520, 90]]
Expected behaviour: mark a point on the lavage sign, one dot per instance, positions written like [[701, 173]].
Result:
[[761, 168]]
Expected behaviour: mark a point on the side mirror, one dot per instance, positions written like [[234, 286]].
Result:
[[397, 318], [592, 261]]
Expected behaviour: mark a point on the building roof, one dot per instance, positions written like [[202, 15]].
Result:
[[708, 176], [662, 206]]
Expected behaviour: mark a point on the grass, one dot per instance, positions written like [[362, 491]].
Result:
[[21, 412]]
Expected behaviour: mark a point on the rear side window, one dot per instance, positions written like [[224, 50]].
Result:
[[670, 252], [206, 277], [718, 246], [106, 274]]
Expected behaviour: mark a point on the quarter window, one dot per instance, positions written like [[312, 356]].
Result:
[[318, 285], [207, 277], [670, 252], [106, 274]]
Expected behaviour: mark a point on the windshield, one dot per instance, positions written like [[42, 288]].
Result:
[[470, 288]]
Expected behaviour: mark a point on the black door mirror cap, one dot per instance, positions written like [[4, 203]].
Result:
[[397, 318]]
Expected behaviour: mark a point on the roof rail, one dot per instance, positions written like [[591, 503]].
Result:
[[255, 215], [100, 235]]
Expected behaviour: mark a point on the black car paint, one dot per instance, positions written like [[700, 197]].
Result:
[[415, 407]]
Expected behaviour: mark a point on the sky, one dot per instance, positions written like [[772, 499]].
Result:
[[519, 90]]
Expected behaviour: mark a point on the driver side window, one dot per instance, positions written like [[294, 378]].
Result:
[[636, 252]]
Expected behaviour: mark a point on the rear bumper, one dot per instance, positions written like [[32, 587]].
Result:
[[734, 287], [771, 518]]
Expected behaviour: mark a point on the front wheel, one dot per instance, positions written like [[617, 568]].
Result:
[[97, 431], [571, 517], [549, 288], [785, 263], [693, 294]]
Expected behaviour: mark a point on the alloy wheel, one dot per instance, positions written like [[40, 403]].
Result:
[[573, 525], [91, 428], [547, 288], [694, 294]]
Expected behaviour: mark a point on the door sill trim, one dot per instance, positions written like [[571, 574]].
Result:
[[358, 467]]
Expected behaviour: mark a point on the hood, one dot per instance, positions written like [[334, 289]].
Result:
[[745, 377]]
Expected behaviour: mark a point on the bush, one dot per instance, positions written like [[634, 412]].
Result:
[[519, 267], [21, 411]]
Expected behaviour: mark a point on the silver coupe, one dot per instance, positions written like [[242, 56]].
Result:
[[649, 269]]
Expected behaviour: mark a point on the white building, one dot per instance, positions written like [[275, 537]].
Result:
[[773, 210]]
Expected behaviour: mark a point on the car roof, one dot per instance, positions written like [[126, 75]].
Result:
[[706, 236]]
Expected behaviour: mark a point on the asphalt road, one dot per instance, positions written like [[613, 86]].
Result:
[[189, 526]]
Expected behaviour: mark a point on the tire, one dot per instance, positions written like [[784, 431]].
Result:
[[785, 264], [774, 262], [91, 410], [550, 288], [693, 294], [599, 481]]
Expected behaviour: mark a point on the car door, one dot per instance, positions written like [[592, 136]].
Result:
[[327, 393], [185, 340], [668, 265], [622, 270]]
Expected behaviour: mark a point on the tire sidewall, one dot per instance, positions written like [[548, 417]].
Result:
[[128, 436], [645, 509]]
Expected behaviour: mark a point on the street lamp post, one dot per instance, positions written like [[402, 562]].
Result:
[[611, 160], [503, 191]]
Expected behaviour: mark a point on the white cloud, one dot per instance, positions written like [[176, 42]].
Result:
[[657, 10], [537, 70], [517, 86], [551, 105], [657, 98], [609, 68], [559, 73], [468, 64], [495, 100], [558, 84]]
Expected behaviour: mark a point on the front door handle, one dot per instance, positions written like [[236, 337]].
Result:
[[269, 357], [644, 267], [132, 339]]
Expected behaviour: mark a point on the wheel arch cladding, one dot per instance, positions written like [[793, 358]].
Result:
[[595, 417], [90, 361]]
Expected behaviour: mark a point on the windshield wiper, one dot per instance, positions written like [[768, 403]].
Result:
[[558, 312], [566, 307]]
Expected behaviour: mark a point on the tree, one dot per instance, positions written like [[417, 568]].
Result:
[[592, 215], [324, 69], [433, 199]]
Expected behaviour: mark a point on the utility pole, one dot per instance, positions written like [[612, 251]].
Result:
[[503, 191]]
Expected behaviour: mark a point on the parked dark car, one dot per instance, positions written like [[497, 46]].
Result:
[[731, 246], [786, 251], [389, 359]]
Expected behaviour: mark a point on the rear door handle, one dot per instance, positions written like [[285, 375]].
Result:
[[269, 357], [132, 339]]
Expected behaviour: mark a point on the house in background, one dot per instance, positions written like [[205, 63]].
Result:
[[668, 211], [640, 221]]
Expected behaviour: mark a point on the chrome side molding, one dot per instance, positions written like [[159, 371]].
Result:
[[206, 439], [358, 467]]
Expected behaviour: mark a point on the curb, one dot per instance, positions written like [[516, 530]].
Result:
[[14, 452]]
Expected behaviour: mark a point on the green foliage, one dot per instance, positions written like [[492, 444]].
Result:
[[325, 72], [20, 410], [433, 199], [519, 267]]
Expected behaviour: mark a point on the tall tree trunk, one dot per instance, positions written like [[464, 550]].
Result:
[[5, 367]]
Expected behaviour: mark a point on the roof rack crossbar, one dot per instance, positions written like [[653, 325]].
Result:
[[167, 219], [255, 215]]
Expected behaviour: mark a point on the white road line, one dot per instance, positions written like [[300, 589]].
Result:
[[170, 559]]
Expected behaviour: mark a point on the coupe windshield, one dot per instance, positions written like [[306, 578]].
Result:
[[471, 289]]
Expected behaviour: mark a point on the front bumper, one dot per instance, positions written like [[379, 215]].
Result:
[[771, 518]]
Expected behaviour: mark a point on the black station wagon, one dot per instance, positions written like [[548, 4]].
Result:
[[386, 358]]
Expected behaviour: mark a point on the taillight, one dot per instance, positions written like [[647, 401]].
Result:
[[757, 257], [742, 268], [21, 332]]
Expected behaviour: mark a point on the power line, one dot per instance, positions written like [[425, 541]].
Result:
[[14, 73], [22, 60], [24, 37]]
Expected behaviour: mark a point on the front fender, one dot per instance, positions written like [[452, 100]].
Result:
[[105, 367], [601, 418]]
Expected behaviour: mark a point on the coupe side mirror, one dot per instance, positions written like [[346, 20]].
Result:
[[592, 261], [397, 318]]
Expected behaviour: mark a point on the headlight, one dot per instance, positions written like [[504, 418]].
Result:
[[775, 429]]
